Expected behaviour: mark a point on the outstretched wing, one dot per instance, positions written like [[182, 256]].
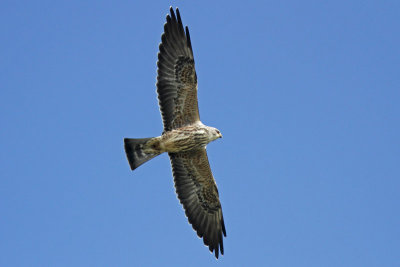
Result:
[[176, 79], [198, 193]]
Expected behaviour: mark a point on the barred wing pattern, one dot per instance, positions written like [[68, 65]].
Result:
[[177, 95], [198, 193], [176, 79]]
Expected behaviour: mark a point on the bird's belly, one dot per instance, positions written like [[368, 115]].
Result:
[[184, 139]]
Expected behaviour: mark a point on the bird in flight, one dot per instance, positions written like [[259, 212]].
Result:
[[184, 137]]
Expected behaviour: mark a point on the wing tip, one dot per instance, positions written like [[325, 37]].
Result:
[[214, 241], [172, 13], [172, 20], [189, 42], [223, 224]]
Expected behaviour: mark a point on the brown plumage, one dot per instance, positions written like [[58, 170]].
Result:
[[184, 137]]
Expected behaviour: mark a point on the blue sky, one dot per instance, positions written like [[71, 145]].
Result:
[[305, 93]]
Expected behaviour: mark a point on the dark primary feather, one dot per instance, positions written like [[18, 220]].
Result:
[[198, 193], [176, 75]]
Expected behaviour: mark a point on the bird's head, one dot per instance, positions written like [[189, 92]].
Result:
[[215, 133]]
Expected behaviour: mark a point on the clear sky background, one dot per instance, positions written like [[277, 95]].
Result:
[[305, 93]]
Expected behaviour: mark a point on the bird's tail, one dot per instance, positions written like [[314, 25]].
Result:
[[138, 151]]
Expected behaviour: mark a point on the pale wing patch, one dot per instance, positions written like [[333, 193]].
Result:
[[186, 107]]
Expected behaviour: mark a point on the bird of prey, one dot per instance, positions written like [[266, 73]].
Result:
[[184, 137]]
